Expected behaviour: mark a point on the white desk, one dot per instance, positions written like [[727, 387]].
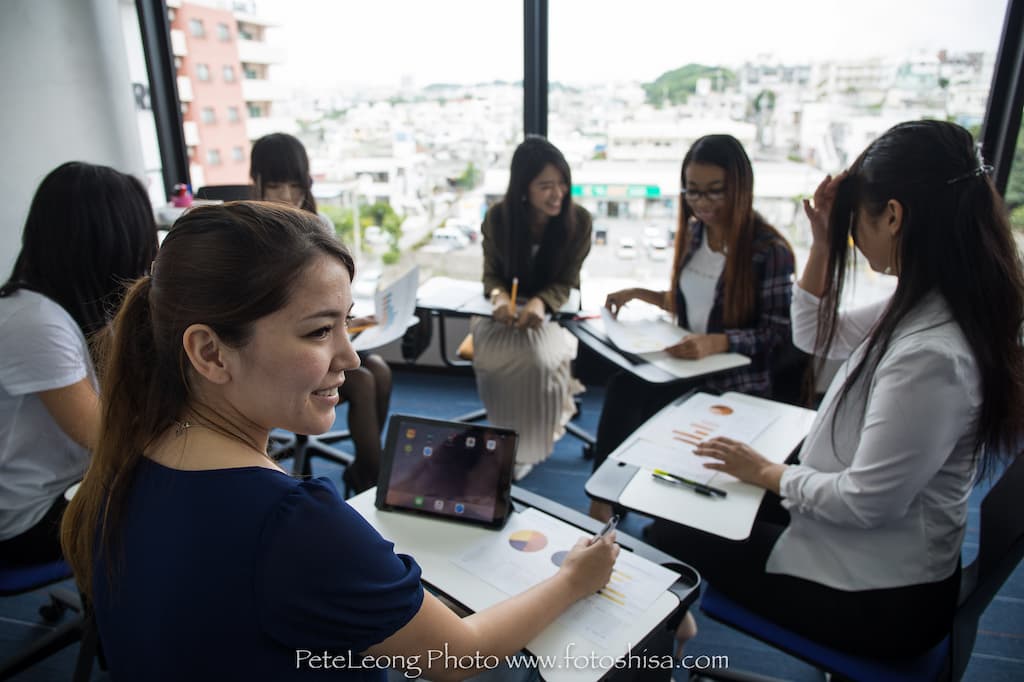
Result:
[[433, 543], [731, 517]]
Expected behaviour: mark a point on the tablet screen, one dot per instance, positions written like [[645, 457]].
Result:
[[451, 469]]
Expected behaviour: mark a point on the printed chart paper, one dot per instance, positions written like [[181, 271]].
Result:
[[532, 547], [667, 440], [394, 307]]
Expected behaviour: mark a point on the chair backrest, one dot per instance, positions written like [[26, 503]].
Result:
[[225, 192], [15, 579], [1000, 549]]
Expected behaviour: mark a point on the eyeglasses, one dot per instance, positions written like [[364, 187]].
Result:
[[712, 195], [693, 196]]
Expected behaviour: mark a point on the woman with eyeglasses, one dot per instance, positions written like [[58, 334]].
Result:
[[731, 284]]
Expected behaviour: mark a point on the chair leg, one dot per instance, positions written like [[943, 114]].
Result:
[[87, 651], [44, 647]]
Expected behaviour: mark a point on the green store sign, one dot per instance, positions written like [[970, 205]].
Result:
[[617, 191]]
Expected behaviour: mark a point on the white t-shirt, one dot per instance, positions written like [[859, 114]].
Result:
[[698, 281], [43, 349]]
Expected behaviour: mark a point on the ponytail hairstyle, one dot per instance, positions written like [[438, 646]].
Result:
[[531, 157], [90, 230], [226, 266], [280, 157], [955, 239], [741, 289]]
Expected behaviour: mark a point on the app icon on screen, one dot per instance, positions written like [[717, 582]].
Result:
[[418, 500], [410, 433], [470, 441], [491, 444], [438, 505], [459, 507], [427, 451]]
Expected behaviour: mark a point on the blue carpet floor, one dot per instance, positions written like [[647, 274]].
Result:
[[998, 654]]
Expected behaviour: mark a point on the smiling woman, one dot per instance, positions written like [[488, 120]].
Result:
[[239, 329]]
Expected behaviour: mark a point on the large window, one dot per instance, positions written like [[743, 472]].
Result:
[[804, 90], [410, 109]]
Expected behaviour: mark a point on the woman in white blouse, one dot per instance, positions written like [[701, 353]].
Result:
[[868, 560]]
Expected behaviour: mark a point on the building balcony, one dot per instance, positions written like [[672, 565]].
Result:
[[256, 128], [191, 130], [179, 46], [259, 52], [259, 90], [184, 88]]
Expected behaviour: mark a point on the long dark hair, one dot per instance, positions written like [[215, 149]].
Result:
[[531, 157], [726, 152], [89, 231], [280, 157], [225, 266], [955, 239]]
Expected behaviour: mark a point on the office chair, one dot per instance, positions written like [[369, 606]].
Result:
[[1001, 548], [14, 580], [225, 192]]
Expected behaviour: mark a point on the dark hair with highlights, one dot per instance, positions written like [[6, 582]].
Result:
[[726, 152]]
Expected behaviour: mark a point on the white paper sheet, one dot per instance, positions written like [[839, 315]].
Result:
[[641, 336], [667, 440], [394, 307], [531, 548]]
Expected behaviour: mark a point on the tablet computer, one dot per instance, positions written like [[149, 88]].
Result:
[[448, 469]]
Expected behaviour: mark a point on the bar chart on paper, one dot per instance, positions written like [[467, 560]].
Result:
[[667, 440], [532, 547]]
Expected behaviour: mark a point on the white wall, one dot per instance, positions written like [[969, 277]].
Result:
[[66, 95]]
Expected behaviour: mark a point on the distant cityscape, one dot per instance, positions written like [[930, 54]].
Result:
[[438, 155]]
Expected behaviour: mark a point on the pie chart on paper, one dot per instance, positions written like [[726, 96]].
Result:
[[528, 540]]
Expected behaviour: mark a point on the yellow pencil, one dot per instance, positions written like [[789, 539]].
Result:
[[515, 291], [356, 330]]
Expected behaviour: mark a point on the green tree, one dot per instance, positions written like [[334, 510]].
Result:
[[379, 213], [1015, 183], [469, 177], [676, 85]]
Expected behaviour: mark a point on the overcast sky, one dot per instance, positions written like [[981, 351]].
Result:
[[378, 42]]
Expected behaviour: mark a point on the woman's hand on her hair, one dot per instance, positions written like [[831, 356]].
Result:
[[501, 309], [697, 346], [742, 461], [588, 566], [617, 299], [531, 316], [818, 214]]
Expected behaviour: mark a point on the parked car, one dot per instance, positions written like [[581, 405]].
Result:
[[627, 248], [375, 236], [657, 249], [447, 239], [653, 233]]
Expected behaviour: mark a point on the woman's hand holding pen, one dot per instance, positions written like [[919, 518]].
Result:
[[531, 315], [617, 299], [697, 346], [588, 566], [501, 309], [742, 461]]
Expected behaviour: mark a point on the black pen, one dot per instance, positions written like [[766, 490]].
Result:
[[699, 488], [608, 528]]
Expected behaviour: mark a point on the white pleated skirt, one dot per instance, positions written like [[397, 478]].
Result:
[[525, 382]]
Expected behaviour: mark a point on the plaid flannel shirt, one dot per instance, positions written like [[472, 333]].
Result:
[[770, 325]]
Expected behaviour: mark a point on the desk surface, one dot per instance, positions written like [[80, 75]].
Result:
[[732, 517], [434, 543]]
